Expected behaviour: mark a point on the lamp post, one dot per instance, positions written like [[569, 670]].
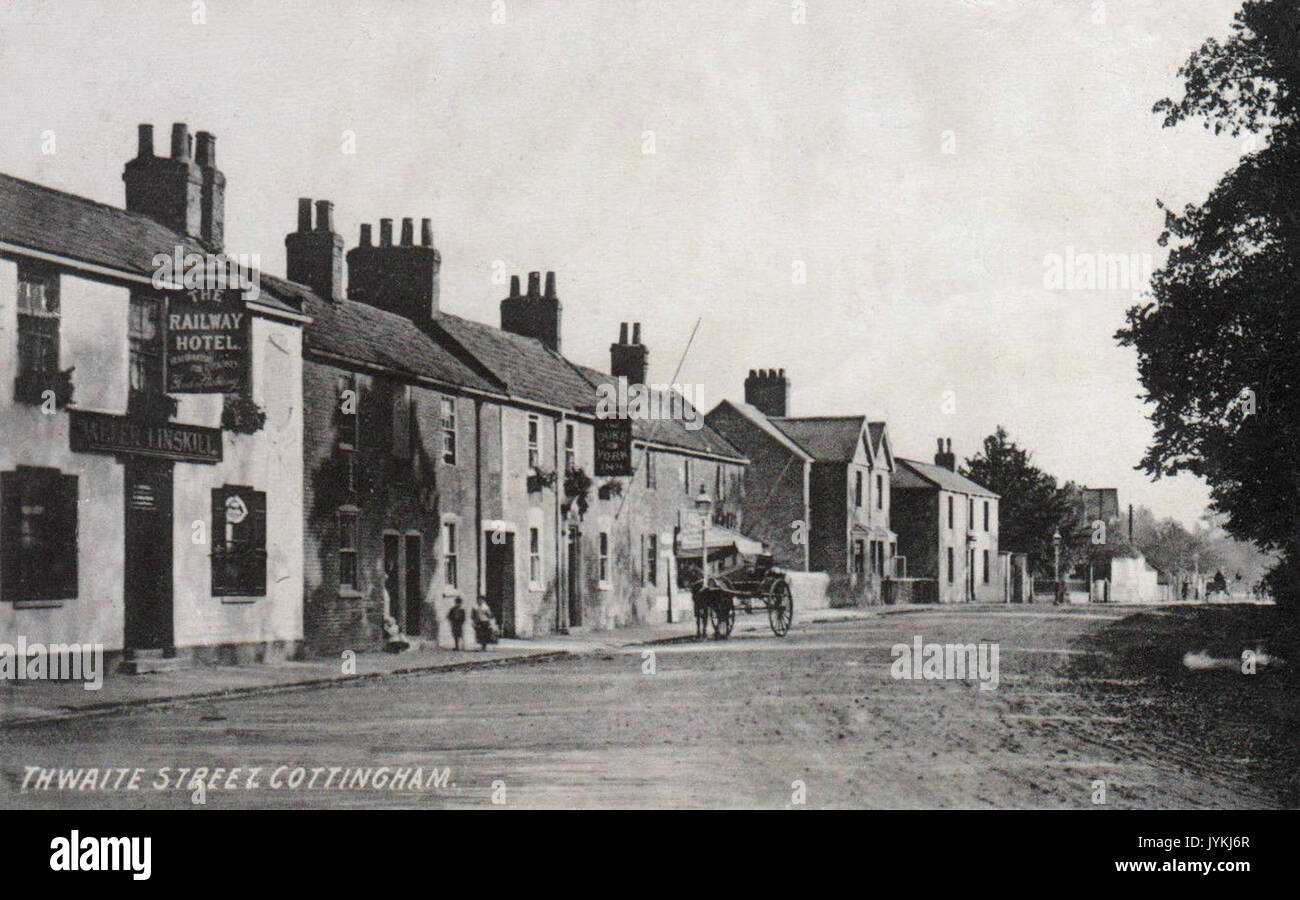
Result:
[[1056, 563], [703, 506]]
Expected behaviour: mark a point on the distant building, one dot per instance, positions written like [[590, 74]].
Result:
[[948, 529], [817, 489]]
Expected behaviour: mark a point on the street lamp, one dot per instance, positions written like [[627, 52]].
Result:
[[1056, 562], [703, 506]]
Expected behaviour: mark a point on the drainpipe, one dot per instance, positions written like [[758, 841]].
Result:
[[479, 550], [561, 581]]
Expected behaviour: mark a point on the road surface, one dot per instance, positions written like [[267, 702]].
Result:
[[1080, 718]]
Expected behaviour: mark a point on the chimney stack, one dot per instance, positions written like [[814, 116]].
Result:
[[535, 315], [944, 456], [628, 360], [314, 256], [401, 278], [179, 191], [768, 391]]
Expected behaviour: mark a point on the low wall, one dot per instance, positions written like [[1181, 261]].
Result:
[[810, 590]]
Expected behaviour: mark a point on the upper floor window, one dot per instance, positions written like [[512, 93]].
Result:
[[534, 442], [144, 332], [349, 400], [880, 492], [238, 542], [718, 486], [857, 488], [38, 534], [447, 421], [970, 514], [686, 475], [950, 512], [649, 468], [570, 446], [38, 323], [986, 515]]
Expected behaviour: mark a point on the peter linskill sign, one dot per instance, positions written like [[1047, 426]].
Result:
[[207, 341]]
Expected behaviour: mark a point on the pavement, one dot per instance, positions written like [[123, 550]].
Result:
[[36, 702]]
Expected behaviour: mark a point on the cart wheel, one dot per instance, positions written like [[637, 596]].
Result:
[[724, 617], [780, 610]]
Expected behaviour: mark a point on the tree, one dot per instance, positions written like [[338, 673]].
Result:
[[1032, 507], [1219, 343]]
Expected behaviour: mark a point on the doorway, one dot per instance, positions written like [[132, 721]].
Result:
[[499, 578], [393, 575], [147, 556], [575, 578], [414, 584]]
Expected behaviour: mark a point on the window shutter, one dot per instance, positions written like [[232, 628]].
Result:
[[257, 561], [217, 534], [65, 582], [11, 512]]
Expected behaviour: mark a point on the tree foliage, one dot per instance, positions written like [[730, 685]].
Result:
[[1032, 506], [1219, 343]]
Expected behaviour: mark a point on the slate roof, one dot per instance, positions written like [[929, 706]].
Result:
[[672, 432], [524, 365], [912, 473], [367, 334], [41, 218], [825, 438]]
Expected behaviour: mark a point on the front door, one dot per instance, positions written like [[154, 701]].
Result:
[[414, 583], [499, 578], [575, 578], [147, 581], [393, 576]]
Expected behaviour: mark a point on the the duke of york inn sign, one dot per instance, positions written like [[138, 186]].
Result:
[[205, 326]]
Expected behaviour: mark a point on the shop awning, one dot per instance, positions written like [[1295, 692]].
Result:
[[719, 538]]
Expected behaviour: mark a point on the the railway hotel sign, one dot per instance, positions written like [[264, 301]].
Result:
[[93, 432], [207, 323]]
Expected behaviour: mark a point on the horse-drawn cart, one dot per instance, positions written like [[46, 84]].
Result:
[[754, 586]]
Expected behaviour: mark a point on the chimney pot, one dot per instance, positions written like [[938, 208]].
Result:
[[304, 214], [180, 141], [385, 232], [550, 285], [324, 215], [939, 449], [622, 333], [365, 234], [408, 232], [207, 155], [636, 332], [534, 283], [514, 287], [426, 232], [146, 141]]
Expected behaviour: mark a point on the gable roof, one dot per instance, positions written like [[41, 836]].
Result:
[[824, 438], [366, 334], [672, 431], [524, 366], [46, 220], [912, 473], [756, 418]]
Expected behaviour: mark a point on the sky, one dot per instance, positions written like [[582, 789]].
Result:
[[869, 198]]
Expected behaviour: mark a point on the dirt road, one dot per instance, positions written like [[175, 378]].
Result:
[[1084, 696]]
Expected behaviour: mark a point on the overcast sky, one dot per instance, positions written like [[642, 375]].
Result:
[[917, 159]]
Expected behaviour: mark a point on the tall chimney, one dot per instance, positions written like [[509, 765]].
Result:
[[173, 190], [768, 391], [426, 232], [314, 256], [629, 360], [534, 315]]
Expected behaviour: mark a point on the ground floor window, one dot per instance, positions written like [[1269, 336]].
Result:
[[652, 559], [38, 535], [535, 556], [238, 541], [986, 567], [349, 527], [951, 568], [859, 558], [450, 576], [604, 557]]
